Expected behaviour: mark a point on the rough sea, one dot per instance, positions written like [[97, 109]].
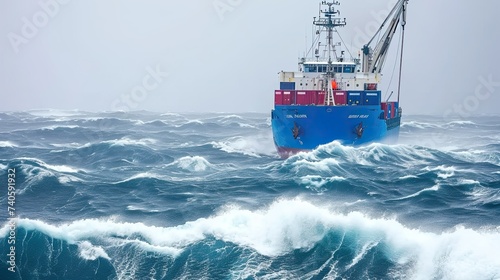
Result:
[[143, 195]]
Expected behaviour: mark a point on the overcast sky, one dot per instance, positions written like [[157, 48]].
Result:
[[224, 55]]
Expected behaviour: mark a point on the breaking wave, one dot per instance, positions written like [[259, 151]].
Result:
[[285, 229]]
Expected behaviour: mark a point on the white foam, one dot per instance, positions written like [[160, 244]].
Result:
[[232, 117], [62, 168], [374, 153], [469, 182], [90, 252], [53, 127], [445, 171], [419, 125], [433, 188], [408, 177], [244, 125], [127, 141], [142, 209], [155, 248], [288, 225], [461, 123], [68, 179], [367, 247], [460, 254], [114, 232], [256, 145], [317, 181], [37, 173], [69, 145], [485, 195], [478, 156], [142, 175], [325, 164], [57, 168], [55, 113], [195, 163], [7, 144], [194, 121], [171, 115]]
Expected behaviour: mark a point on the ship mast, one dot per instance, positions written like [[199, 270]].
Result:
[[329, 21]]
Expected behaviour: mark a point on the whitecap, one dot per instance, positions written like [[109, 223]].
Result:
[[461, 123], [419, 125], [7, 144], [171, 115], [296, 224], [232, 117], [408, 177], [57, 168], [444, 172], [132, 142], [68, 179], [55, 113], [69, 145], [194, 121], [147, 175], [469, 182], [195, 163], [141, 209], [244, 125], [364, 250], [54, 127], [254, 146], [433, 188], [317, 182], [325, 164], [90, 252]]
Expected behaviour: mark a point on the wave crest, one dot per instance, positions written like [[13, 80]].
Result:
[[290, 225]]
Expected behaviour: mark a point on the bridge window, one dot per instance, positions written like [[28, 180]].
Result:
[[310, 68], [348, 69]]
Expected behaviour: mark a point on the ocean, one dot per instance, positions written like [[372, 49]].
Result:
[[142, 195]]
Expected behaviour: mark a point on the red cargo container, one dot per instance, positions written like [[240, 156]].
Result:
[[311, 96], [278, 97], [389, 109], [393, 109], [287, 98], [340, 97], [320, 98], [302, 98], [384, 107]]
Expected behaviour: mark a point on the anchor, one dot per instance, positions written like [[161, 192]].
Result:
[[295, 131], [359, 130]]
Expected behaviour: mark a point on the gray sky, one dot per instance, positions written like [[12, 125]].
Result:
[[224, 55]]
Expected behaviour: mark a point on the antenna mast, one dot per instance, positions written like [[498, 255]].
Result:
[[330, 21]]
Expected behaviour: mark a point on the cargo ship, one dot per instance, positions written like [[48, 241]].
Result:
[[335, 96]]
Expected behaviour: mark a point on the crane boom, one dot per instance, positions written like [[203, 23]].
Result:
[[373, 59]]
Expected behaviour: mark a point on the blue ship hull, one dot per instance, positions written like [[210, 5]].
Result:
[[302, 128]]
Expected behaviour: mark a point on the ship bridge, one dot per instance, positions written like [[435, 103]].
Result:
[[322, 67]]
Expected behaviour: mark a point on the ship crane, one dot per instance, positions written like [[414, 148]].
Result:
[[373, 59]]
